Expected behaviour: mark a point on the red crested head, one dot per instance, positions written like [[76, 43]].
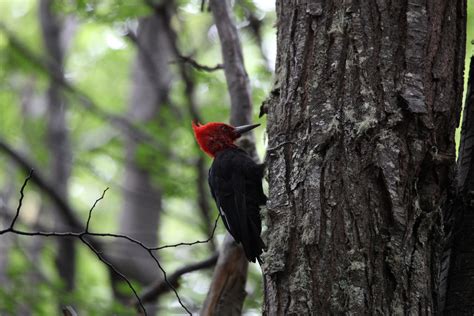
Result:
[[214, 137]]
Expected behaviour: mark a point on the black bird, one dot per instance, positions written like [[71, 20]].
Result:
[[236, 184]]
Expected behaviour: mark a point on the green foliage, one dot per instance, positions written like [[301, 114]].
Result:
[[38, 288], [104, 11]]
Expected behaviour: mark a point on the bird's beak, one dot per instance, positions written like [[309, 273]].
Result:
[[245, 128]]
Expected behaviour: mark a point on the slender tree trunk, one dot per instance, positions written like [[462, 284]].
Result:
[[55, 40], [361, 154], [460, 282], [142, 194]]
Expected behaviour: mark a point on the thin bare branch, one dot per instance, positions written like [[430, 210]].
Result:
[[92, 208], [20, 201], [90, 239], [82, 236], [191, 243], [86, 236], [66, 211]]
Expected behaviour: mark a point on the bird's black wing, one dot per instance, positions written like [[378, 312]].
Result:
[[214, 182], [223, 189], [236, 185]]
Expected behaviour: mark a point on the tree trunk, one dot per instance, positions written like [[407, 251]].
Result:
[[56, 36], [226, 293], [142, 195], [460, 282], [361, 154]]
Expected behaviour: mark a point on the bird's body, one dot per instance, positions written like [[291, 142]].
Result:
[[236, 185], [235, 181]]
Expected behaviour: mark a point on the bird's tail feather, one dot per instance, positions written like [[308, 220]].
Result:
[[253, 246]]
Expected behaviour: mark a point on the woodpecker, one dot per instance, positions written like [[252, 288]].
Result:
[[235, 181]]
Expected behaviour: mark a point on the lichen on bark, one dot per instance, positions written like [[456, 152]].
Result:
[[356, 128]]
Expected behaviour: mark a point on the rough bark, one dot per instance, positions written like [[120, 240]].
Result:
[[460, 283], [55, 40], [361, 153], [227, 291], [142, 195]]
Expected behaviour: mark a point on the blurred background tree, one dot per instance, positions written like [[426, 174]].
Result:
[[100, 94]]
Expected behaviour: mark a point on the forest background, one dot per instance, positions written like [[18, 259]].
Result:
[[101, 94]]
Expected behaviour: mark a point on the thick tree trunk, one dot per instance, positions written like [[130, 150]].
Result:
[[460, 282], [361, 154]]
